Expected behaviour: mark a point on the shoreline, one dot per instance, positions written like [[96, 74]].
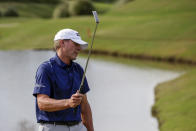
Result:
[[170, 59]]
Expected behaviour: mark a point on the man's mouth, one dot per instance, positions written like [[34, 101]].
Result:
[[76, 53]]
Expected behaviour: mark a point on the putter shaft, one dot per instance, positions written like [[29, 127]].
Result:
[[89, 53]]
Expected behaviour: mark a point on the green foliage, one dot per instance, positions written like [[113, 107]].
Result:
[[48, 10], [81, 7], [1, 13], [11, 12], [30, 9], [34, 1], [105, 1], [61, 11]]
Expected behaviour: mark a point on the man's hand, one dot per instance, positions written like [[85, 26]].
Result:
[[75, 99], [45, 103]]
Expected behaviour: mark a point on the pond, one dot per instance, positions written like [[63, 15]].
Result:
[[121, 96]]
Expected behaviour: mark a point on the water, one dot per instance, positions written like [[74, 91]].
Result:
[[121, 96]]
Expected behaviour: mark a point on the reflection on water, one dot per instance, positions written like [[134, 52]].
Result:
[[121, 96], [25, 125]]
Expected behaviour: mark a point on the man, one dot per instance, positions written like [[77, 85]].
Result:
[[56, 88]]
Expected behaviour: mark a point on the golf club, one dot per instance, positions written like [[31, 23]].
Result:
[[89, 54]]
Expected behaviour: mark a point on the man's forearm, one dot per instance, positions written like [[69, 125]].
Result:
[[86, 115], [48, 104]]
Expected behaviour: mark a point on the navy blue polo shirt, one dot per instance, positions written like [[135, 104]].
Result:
[[59, 81]]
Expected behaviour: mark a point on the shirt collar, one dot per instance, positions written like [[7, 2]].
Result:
[[61, 63]]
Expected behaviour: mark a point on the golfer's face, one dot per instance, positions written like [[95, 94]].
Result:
[[71, 49]]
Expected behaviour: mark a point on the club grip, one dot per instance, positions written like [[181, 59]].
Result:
[[81, 90]]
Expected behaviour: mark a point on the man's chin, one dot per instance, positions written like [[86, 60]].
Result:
[[74, 58]]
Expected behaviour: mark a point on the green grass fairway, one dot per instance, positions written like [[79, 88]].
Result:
[[150, 27]]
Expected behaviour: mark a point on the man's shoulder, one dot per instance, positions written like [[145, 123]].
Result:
[[77, 65], [46, 65]]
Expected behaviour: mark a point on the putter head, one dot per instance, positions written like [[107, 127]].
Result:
[[95, 16]]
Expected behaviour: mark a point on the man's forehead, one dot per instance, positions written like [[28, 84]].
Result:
[[74, 42]]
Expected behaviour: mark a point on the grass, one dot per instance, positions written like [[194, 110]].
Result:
[[102, 7], [162, 28], [36, 33], [143, 64], [176, 103], [148, 27]]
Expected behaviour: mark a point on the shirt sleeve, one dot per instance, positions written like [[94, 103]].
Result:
[[42, 81], [86, 87]]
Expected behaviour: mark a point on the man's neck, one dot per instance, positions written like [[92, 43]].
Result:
[[63, 58]]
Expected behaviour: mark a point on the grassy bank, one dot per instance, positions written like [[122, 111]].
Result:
[[175, 105]]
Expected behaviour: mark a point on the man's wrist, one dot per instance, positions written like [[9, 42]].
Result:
[[66, 104]]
